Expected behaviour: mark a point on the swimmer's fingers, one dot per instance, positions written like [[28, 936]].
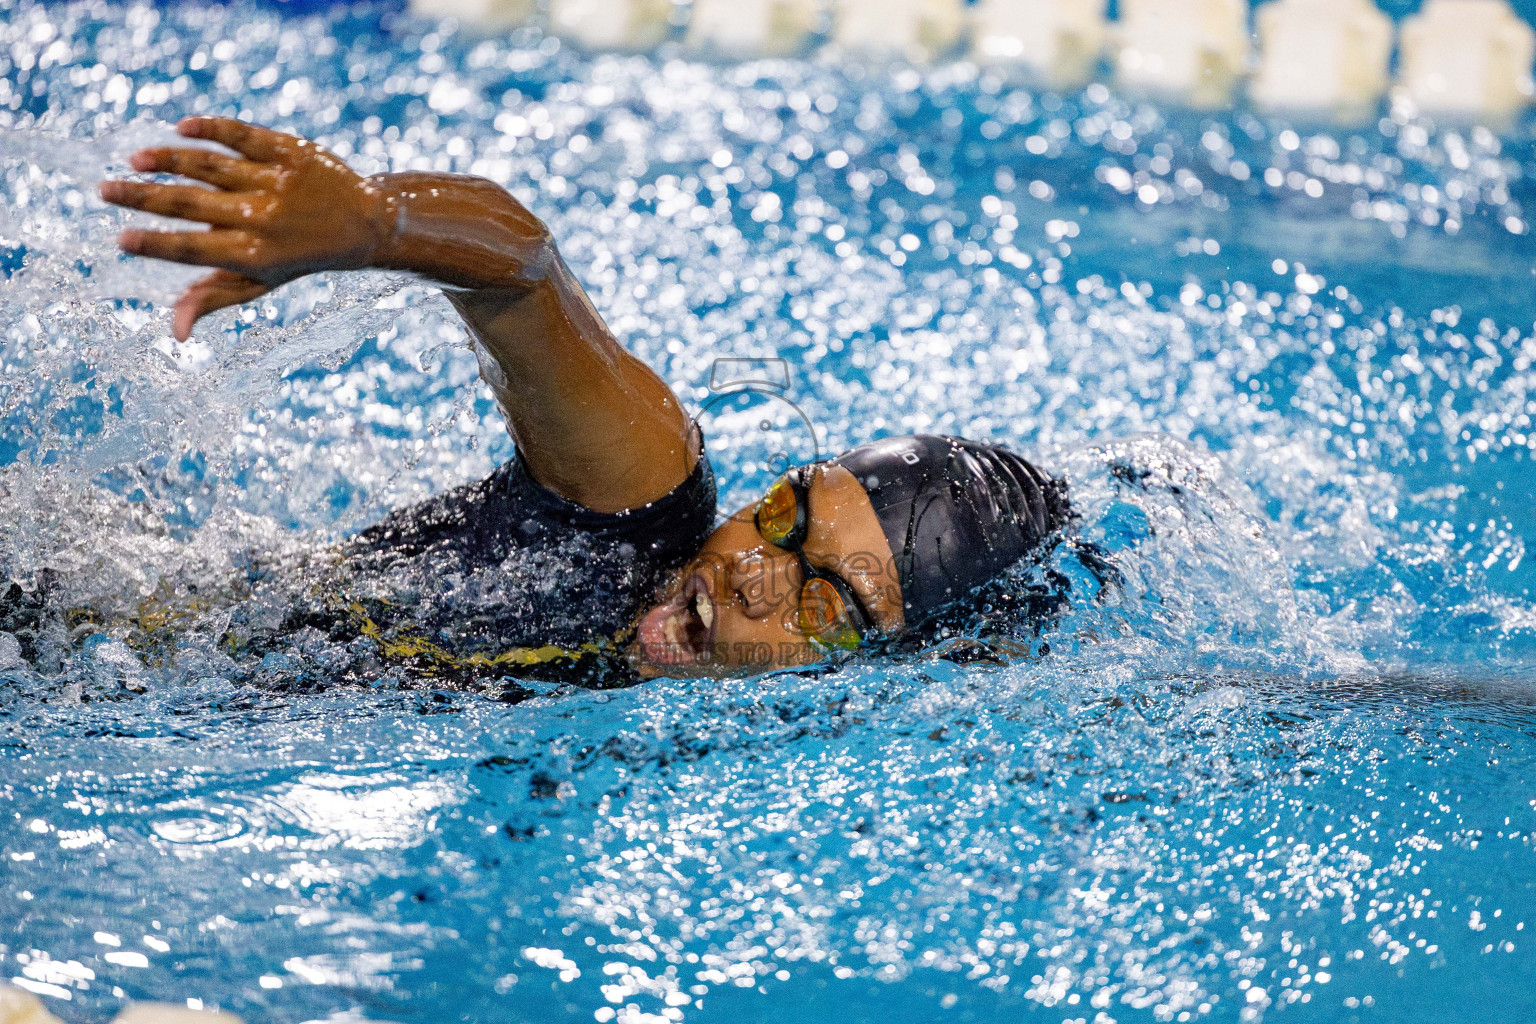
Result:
[[220, 247], [226, 172], [261, 144], [192, 202], [219, 289]]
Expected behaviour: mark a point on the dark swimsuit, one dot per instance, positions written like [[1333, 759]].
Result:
[[499, 580], [505, 578]]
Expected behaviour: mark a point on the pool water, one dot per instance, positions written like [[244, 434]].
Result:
[[1281, 772]]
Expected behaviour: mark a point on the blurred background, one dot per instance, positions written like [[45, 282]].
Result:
[[1341, 56]]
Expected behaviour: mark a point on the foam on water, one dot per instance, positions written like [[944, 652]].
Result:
[[1282, 764]]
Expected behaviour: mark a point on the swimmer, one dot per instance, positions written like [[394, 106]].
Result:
[[607, 509]]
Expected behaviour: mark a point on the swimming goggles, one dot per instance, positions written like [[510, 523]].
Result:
[[829, 614]]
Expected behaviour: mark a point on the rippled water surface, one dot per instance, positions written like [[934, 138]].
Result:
[[1283, 772]]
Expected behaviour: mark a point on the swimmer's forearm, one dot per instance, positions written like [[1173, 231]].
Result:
[[592, 422]]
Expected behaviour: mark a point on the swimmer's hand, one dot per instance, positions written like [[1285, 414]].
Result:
[[282, 209]]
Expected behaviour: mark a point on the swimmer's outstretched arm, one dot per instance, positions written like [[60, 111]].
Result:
[[593, 423]]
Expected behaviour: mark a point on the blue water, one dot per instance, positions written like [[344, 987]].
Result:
[[1282, 773]]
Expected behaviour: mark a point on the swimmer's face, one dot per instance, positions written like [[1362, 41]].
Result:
[[739, 606]]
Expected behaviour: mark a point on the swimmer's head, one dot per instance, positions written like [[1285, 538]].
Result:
[[865, 546]]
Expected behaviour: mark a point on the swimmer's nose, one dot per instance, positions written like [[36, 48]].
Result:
[[762, 581]]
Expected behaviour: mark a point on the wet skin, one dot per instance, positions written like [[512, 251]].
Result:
[[733, 608], [592, 422]]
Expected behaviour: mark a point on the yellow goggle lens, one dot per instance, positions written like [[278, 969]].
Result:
[[778, 512], [823, 616]]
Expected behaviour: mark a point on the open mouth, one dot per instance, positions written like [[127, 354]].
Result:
[[681, 631]]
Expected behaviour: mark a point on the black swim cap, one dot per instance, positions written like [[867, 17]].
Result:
[[956, 512]]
